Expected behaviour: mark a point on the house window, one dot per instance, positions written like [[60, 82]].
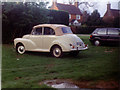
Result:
[[77, 17], [69, 16]]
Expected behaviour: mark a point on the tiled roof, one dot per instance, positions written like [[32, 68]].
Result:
[[115, 12], [69, 8]]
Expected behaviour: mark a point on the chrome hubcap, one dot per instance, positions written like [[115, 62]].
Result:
[[97, 43], [57, 52], [21, 49]]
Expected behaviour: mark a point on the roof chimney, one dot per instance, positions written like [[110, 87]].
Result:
[[54, 2], [70, 3], [76, 3], [108, 6]]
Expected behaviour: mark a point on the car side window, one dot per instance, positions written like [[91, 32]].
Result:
[[48, 31], [113, 32], [37, 31], [102, 31], [95, 31]]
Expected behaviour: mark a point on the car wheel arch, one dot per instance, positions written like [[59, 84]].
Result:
[[20, 48], [56, 51], [19, 43], [97, 39], [54, 46]]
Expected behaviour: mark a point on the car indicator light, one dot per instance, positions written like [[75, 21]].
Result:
[[73, 47], [90, 36], [86, 45]]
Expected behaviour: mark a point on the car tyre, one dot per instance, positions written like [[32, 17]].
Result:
[[97, 43], [74, 54], [20, 49], [57, 51]]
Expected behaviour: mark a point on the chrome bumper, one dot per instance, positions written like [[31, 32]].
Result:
[[79, 48]]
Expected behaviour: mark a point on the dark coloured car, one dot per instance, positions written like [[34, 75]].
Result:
[[105, 35]]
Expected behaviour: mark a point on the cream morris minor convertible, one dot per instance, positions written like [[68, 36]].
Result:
[[52, 38]]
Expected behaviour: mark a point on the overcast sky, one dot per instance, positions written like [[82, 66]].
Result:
[[101, 5]]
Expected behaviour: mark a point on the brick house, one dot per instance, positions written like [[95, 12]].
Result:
[[110, 14], [75, 16]]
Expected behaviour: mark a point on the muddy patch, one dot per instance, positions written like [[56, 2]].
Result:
[[59, 84], [68, 83], [109, 51]]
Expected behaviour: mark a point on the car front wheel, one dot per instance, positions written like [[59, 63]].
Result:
[[97, 43], [20, 49], [57, 52]]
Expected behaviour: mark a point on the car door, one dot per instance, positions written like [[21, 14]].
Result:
[[113, 35], [48, 38], [36, 37], [102, 34]]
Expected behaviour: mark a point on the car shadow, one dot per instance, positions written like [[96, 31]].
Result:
[[65, 55], [47, 54], [79, 56]]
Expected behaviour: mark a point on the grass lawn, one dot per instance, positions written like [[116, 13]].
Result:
[[26, 71]]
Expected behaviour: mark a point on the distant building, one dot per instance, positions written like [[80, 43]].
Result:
[[110, 14], [73, 10]]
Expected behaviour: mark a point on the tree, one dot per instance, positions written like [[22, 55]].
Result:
[[94, 19], [19, 18], [59, 17], [37, 4], [83, 5], [116, 22], [85, 17]]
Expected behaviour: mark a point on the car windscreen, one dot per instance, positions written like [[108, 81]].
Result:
[[95, 31], [66, 30]]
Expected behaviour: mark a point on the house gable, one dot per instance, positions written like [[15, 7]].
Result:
[[110, 14], [73, 10]]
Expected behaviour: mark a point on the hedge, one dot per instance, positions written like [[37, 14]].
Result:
[[59, 17], [18, 19], [83, 30]]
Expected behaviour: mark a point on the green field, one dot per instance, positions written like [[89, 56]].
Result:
[[26, 71]]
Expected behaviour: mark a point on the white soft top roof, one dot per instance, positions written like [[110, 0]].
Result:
[[56, 28], [50, 25]]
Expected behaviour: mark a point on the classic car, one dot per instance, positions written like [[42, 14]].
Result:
[[105, 36], [52, 38]]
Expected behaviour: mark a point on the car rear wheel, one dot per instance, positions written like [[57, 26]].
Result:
[[97, 43], [20, 49], [57, 52]]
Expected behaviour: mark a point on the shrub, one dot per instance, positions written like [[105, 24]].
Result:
[[18, 19], [83, 30], [59, 17]]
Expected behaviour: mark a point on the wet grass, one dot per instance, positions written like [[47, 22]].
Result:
[[26, 71]]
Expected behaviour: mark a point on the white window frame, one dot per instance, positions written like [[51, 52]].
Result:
[[77, 17], [69, 16]]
